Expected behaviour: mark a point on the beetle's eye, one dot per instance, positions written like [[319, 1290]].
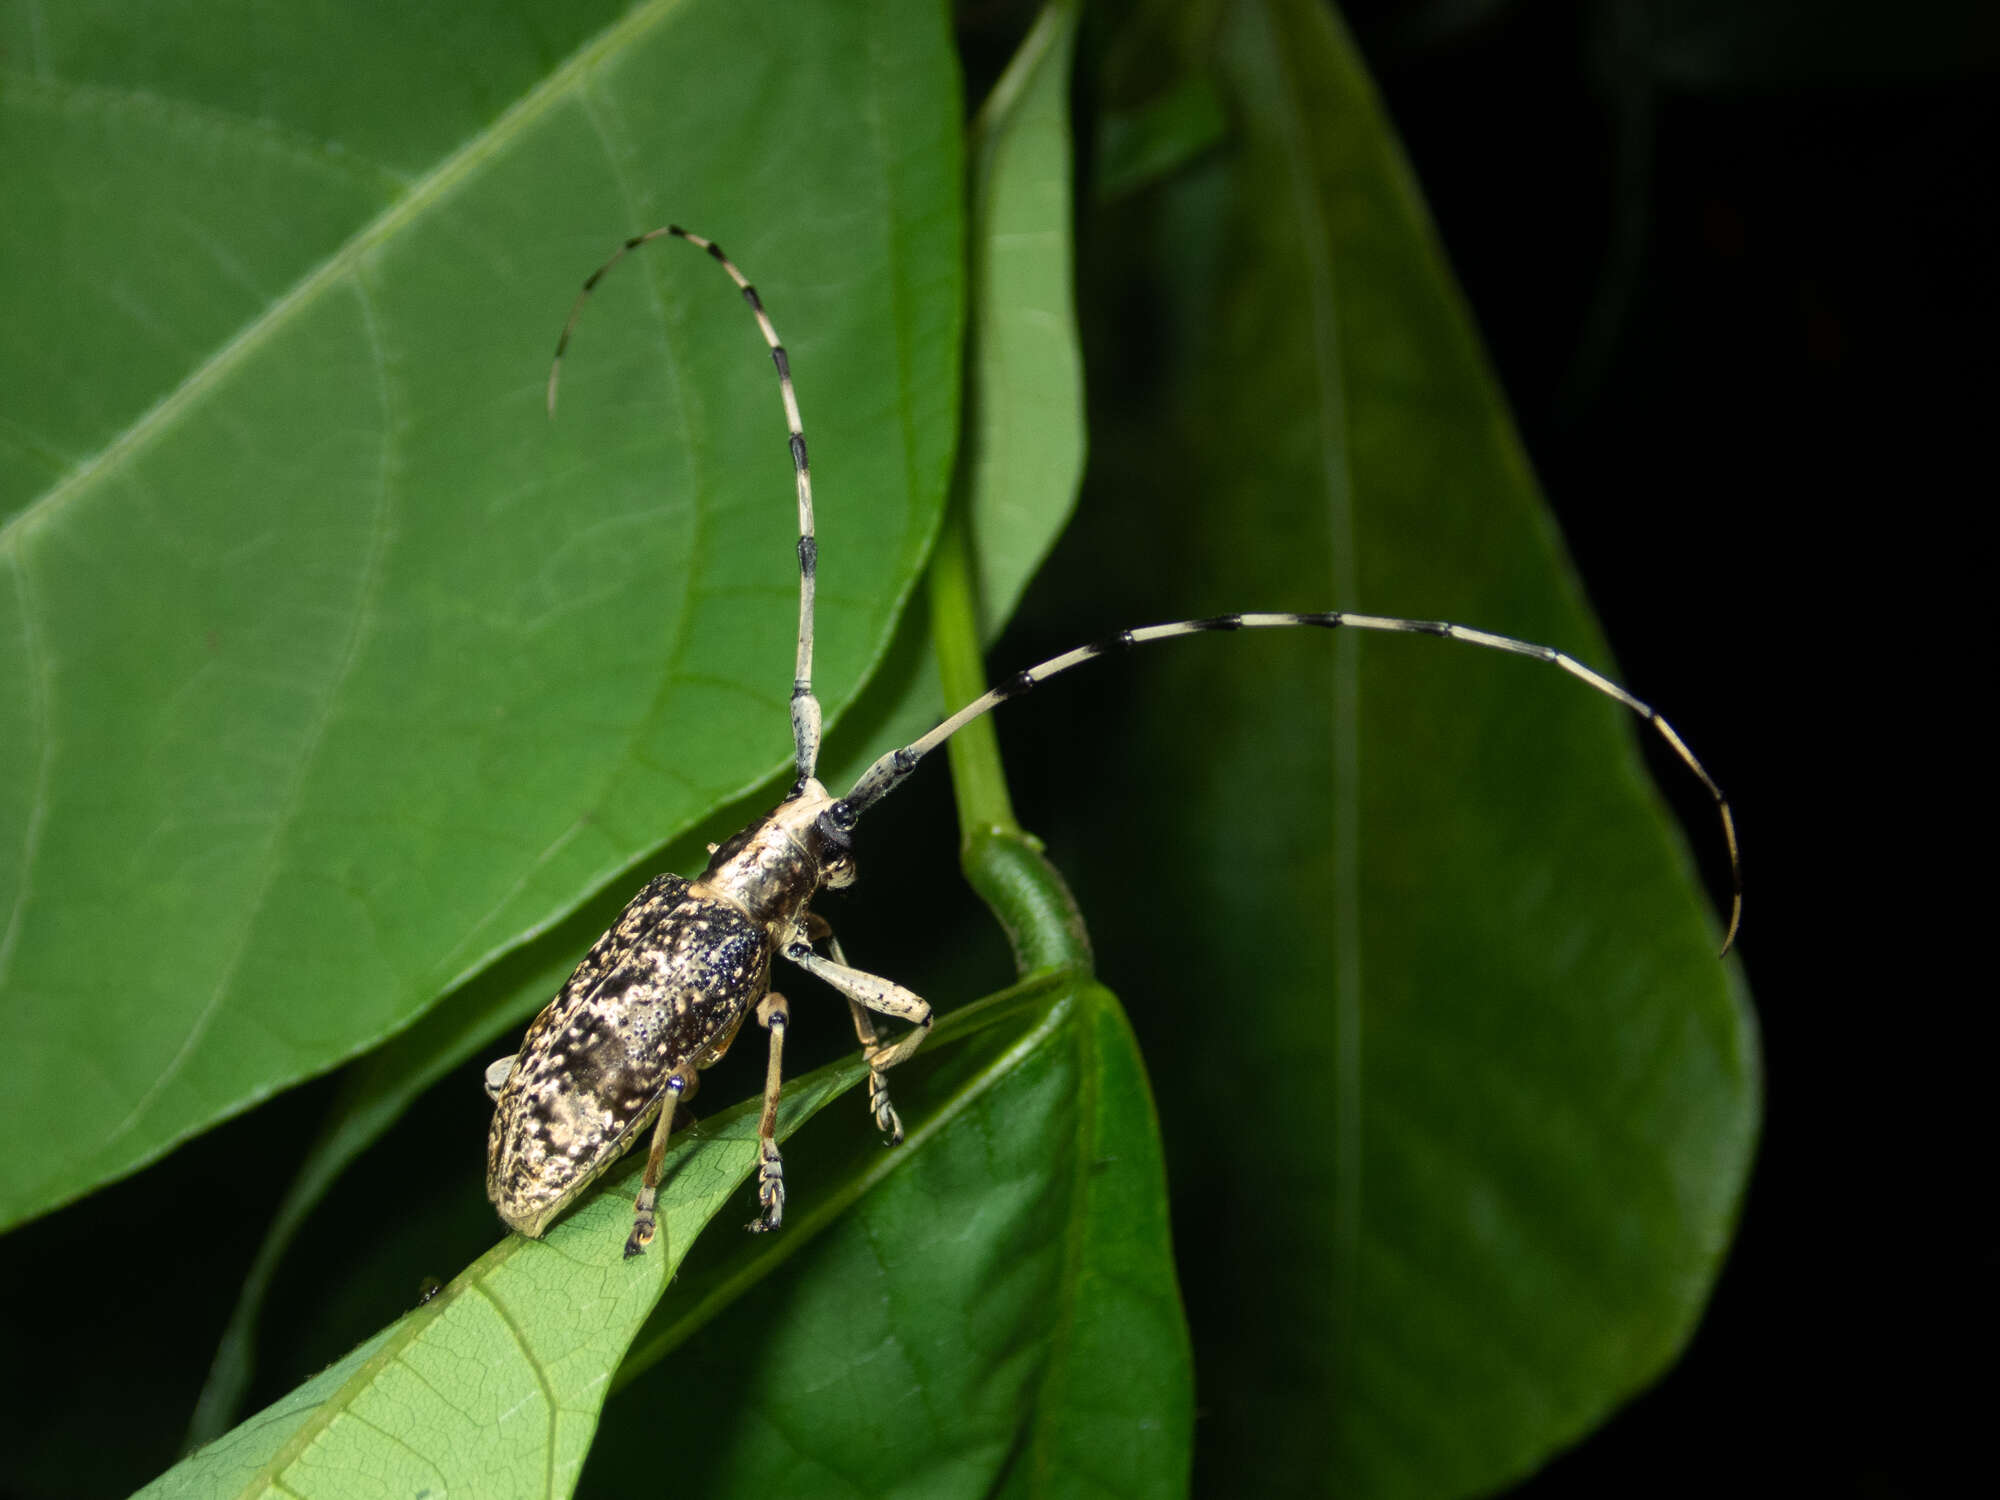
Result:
[[835, 830]]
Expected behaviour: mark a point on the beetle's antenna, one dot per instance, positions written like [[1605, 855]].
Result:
[[887, 773], [805, 707]]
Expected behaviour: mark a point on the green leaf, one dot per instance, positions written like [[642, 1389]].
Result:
[[1023, 448], [992, 1308], [1458, 1103], [1462, 1103], [899, 703], [988, 1309], [1095, 1292], [1137, 148], [373, 1095], [331, 671], [496, 1383], [1026, 387], [1031, 1174]]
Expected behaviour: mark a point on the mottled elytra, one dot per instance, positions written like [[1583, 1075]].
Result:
[[662, 995]]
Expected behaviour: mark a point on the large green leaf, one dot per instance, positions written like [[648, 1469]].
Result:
[[999, 1308], [495, 1385], [1023, 444], [1000, 1315], [1458, 1102], [1019, 476], [1463, 1103], [1042, 1389], [330, 670], [997, 1315]]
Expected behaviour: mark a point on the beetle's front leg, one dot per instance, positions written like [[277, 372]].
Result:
[[886, 1119], [884, 996]]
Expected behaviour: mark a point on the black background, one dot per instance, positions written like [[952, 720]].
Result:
[[1734, 265]]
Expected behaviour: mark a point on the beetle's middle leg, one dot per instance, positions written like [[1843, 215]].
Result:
[[818, 929]]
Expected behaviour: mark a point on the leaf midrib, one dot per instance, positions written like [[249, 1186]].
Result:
[[960, 1026], [1316, 242], [1051, 1407], [423, 193]]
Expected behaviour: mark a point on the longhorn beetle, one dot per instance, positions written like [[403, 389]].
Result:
[[664, 992]]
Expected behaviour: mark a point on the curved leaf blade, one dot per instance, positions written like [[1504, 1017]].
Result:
[[1020, 471], [496, 1384], [993, 1307], [989, 1309], [1086, 1414], [332, 672], [1023, 448], [1411, 914]]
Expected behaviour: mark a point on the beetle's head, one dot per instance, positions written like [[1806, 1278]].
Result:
[[824, 829], [832, 841]]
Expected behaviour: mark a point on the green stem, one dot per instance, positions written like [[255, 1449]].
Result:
[[978, 782], [1002, 861]]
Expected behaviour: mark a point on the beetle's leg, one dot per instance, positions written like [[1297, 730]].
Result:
[[683, 1116], [643, 1220], [886, 1119], [883, 996], [774, 1015]]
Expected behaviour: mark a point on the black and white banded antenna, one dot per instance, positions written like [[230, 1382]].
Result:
[[805, 707], [888, 772]]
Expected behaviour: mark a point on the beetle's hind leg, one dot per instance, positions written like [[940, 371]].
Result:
[[774, 1015], [644, 1221]]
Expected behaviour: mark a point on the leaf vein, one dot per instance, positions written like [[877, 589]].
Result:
[[534, 1365], [31, 835], [423, 193], [1316, 243], [367, 589]]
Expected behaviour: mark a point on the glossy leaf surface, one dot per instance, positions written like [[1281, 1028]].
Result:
[[330, 670], [992, 1308], [991, 1312], [495, 1384], [1020, 1278], [1466, 1100], [1457, 1101], [1019, 485]]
